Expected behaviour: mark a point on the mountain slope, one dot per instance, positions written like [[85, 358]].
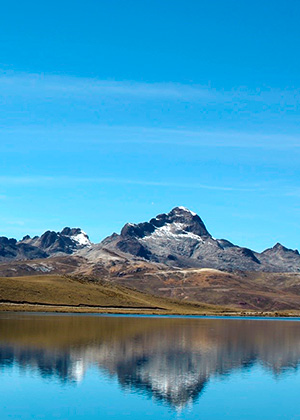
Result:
[[180, 239], [72, 294]]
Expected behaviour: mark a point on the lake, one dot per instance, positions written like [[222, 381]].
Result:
[[142, 367]]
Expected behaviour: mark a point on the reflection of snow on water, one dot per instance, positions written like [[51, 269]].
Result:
[[77, 370], [170, 382]]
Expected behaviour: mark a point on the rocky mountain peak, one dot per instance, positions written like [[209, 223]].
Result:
[[77, 235], [178, 220], [278, 248], [66, 241], [50, 242], [7, 241], [184, 218], [67, 231]]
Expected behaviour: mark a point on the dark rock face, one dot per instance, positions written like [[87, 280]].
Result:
[[50, 243], [180, 238], [138, 231], [11, 249], [134, 247], [55, 242], [72, 232]]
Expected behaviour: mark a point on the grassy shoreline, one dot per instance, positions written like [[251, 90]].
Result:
[[62, 294], [30, 308]]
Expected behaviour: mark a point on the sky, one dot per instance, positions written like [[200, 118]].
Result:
[[114, 111]]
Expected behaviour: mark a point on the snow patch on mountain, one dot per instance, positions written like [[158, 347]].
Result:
[[173, 230], [81, 238]]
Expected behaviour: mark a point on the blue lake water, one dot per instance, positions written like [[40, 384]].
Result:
[[110, 367]]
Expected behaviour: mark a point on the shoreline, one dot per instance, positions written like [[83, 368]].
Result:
[[108, 310]]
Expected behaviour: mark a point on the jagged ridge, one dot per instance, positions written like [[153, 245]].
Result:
[[177, 239], [50, 243]]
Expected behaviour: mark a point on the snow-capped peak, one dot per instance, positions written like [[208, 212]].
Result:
[[187, 210], [81, 238]]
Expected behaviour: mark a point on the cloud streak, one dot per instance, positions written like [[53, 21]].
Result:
[[39, 85], [90, 135], [64, 86], [63, 181]]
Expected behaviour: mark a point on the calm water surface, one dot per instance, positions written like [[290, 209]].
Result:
[[100, 367]]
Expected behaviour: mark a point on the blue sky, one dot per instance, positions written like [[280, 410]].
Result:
[[115, 111]]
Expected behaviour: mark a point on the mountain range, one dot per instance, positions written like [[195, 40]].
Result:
[[177, 239], [50, 243]]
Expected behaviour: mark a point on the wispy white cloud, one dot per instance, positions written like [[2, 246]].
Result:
[[15, 222], [23, 84], [25, 180], [52, 106], [293, 192], [63, 181], [51, 86], [92, 135]]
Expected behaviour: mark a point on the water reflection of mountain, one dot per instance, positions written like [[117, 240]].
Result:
[[168, 359]]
